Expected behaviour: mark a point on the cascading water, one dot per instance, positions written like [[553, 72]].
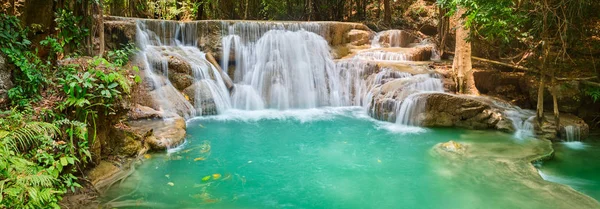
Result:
[[391, 38], [162, 41], [573, 133], [522, 120], [282, 67], [408, 110]]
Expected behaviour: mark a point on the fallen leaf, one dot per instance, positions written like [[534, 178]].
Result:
[[199, 158], [171, 184], [206, 178], [216, 176]]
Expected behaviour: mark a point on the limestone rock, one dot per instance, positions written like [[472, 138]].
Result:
[[177, 64], [139, 112], [359, 37], [180, 80], [453, 146], [395, 38], [445, 110], [165, 133], [204, 97], [101, 172], [5, 79]]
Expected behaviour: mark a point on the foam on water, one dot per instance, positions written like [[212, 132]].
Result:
[[576, 145], [302, 115]]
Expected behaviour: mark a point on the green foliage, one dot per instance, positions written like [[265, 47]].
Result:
[[120, 57], [94, 90], [35, 168], [15, 45], [69, 30], [593, 92], [493, 20], [42, 150]]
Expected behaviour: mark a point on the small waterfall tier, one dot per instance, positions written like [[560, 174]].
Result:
[[392, 38], [573, 133], [173, 64]]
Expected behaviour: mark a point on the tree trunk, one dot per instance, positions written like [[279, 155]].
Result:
[[310, 10], [462, 66], [387, 16], [200, 11], [545, 52], [443, 28], [98, 7], [555, 103]]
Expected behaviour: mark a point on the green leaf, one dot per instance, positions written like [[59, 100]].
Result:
[[63, 161]]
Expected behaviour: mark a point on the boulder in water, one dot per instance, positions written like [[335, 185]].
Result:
[[453, 146]]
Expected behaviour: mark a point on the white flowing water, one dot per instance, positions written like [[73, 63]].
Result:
[[288, 66], [408, 109], [160, 41], [391, 38], [573, 133]]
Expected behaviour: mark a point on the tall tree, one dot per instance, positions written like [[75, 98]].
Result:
[[387, 14], [462, 66]]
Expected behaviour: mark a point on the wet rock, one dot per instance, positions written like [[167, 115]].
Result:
[[161, 134], [118, 32], [139, 112], [180, 80], [578, 125], [177, 64], [453, 146], [446, 110], [199, 92], [125, 142], [395, 38], [359, 37], [102, 171], [5, 79]]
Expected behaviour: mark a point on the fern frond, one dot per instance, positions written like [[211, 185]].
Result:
[[40, 180], [27, 135]]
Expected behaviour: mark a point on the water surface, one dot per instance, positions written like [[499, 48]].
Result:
[[339, 158], [576, 164]]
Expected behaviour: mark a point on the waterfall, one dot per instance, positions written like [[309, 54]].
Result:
[[282, 66], [168, 50], [522, 120], [415, 87], [572, 133], [392, 38]]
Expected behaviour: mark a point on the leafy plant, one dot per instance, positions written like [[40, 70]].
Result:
[[120, 57], [32, 162], [15, 45], [593, 92], [69, 30]]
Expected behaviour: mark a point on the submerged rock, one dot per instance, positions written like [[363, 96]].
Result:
[[453, 146]]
